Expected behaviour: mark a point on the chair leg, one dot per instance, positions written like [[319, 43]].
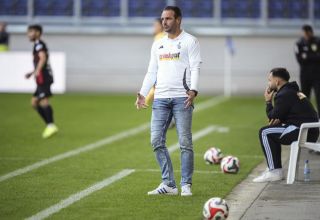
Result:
[[294, 152]]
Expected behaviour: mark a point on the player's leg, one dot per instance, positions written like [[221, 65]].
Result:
[[35, 105], [306, 85], [44, 94], [270, 142], [150, 96], [183, 118], [161, 116], [316, 86], [47, 110]]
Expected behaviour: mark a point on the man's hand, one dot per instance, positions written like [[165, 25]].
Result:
[[191, 96], [274, 121], [141, 102], [268, 94], [28, 75]]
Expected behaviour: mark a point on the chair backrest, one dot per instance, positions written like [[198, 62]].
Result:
[[303, 134]]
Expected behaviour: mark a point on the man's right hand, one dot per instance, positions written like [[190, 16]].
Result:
[[28, 75], [268, 94], [141, 102]]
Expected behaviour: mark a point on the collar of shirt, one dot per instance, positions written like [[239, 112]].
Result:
[[177, 38]]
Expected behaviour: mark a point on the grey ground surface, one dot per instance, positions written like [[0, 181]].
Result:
[[279, 201]]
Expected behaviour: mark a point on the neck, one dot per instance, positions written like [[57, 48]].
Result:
[[175, 34]]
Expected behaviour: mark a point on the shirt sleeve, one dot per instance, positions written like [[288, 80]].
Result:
[[282, 105], [39, 47], [151, 76], [194, 62]]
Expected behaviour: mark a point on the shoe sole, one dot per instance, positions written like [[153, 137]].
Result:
[[52, 134], [163, 194], [188, 194]]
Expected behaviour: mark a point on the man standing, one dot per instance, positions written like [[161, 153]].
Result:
[[291, 108], [44, 79], [308, 56], [174, 66]]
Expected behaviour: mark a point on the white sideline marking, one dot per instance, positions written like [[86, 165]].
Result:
[[209, 103], [108, 140], [199, 135], [77, 151], [80, 195]]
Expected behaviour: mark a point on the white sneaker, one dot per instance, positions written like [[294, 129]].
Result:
[[269, 176], [163, 189], [186, 190]]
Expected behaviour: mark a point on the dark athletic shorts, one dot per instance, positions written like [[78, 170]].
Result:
[[42, 91]]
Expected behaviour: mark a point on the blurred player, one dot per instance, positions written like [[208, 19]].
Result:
[[308, 56], [175, 66], [158, 34], [158, 29], [4, 37], [43, 77]]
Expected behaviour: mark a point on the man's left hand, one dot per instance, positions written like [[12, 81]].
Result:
[[191, 96], [274, 121]]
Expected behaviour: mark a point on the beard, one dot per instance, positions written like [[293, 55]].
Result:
[[168, 29]]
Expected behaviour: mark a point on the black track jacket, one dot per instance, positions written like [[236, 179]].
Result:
[[291, 106]]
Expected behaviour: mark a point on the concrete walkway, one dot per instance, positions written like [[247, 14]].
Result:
[[277, 200]]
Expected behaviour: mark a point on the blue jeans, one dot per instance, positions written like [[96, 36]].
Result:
[[162, 112]]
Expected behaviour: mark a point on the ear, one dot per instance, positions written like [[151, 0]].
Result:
[[179, 20]]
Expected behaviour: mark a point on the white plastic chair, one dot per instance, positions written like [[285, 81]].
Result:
[[296, 146]]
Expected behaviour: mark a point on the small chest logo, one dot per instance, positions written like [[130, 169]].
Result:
[[179, 45], [314, 47]]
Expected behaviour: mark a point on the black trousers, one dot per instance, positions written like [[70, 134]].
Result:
[[307, 84], [271, 138]]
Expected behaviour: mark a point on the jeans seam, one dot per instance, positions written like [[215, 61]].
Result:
[[165, 127]]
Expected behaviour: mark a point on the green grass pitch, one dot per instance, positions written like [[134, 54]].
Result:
[[86, 118]]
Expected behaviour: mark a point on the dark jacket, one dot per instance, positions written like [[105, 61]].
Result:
[[308, 57], [291, 106]]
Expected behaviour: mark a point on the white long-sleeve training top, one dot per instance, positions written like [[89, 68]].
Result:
[[174, 67]]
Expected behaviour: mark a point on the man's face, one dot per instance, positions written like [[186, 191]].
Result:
[[169, 22], [157, 27], [272, 82], [33, 34], [307, 35]]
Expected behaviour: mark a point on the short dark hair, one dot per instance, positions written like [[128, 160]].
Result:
[[281, 73], [36, 27], [175, 9], [307, 28]]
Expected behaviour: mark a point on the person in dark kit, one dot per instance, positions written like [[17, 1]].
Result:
[[4, 37], [290, 109], [308, 56], [44, 79]]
